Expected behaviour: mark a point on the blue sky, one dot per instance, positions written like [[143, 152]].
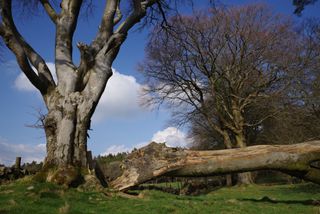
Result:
[[120, 123]]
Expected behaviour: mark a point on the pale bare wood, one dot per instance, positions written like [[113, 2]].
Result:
[[156, 160]]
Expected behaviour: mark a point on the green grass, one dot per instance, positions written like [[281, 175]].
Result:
[[48, 198]]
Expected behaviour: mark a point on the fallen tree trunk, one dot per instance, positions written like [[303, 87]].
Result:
[[157, 160]]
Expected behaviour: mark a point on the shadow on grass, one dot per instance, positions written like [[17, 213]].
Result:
[[306, 188], [171, 190], [269, 200], [186, 190]]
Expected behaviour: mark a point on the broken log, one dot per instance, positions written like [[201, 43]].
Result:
[[158, 160]]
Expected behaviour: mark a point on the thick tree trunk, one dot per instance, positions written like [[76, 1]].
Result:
[[70, 108], [156, 160], [228, 145], [66, 136], [67, 145], [229, 180], [244, 178], [66, 126]]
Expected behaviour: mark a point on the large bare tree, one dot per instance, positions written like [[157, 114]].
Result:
[[71, 101], [213, 66]]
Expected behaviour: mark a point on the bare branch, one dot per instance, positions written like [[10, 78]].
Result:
[[66, 26], [300, 5], [118, 17], [106, 26], [40, 119], [262, 119], [23, 63], [162, 12], [50, 10], [140, 9], [24, 52]]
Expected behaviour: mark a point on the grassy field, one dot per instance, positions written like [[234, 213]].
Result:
[[25, 196]]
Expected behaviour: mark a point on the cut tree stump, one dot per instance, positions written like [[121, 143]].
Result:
[[156, 160]]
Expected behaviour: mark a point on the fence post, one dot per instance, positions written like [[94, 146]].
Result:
[[17, 165]]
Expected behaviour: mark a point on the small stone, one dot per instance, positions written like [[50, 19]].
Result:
[[30, 188], [12, 202], [65, 208], [233, 201]]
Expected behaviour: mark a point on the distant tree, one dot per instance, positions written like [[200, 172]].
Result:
[[307, 87], [310, 81], [294, 124], [211, 68], [298, 106], [298, 116]]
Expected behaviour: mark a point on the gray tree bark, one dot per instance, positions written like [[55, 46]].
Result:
[[157, 160], [72, 100]]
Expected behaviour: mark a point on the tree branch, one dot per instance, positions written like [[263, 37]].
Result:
[[23, 62], [50, 10], [106, 26], [261, 120], [140, 9], [107, 43], [66, 25], [118, 17], [24, 52]]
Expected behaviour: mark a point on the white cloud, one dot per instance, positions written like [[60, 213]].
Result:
[[171, 136], [120, 98], [23, 84], [28, 153]]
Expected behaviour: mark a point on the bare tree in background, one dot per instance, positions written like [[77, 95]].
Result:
[[299, 118], [212, 67], [310, 81], [71, 101]]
